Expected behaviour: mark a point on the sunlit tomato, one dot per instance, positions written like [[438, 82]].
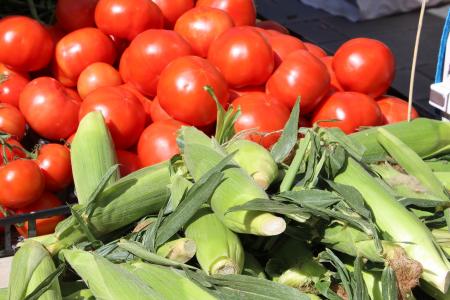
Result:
[[129, 162], [235, 93], [46, 225], [146, 102], [243, 12], [157, 112], [54, 161], [83, 47], [148, 54], [59, 75], [49, 108], [200, 26], [11, 85], [272, 25], [181, 90], [315, 50], [173, 9], [12, 149], [127, 18], [303, 75], [72, 15], [260, 113], [395, 109], [95, 76], [243, 56], [12, 121], [123, 113], [283, 45], [22, 183], [353, 110], [364, 65], [26, 45], [124, 66], [158, 142], [328, 61]]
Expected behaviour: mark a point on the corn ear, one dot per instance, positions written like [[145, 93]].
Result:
[[3, 293], [219, 250], [180, 250], [42, 271]]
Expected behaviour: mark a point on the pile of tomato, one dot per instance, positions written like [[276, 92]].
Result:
[[145, 64]]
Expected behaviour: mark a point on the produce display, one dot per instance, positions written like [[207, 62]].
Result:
[[205, 154]]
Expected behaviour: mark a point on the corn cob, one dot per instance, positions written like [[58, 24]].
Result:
[[180, 250]]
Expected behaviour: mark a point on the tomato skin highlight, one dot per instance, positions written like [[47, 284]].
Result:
[[72, 15], [173, 9], [129, 162], [22, 183], [54, 161], [243, 12], [12, 121], [11, 85], [354, 110], [394, 109], [181, 90], [97, 75], [158, 142]]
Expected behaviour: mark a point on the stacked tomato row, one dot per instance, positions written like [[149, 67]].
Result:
[[145, 66]]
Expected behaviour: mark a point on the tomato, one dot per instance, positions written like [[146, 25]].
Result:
[[146, 102], [129, 162], [315, 50], [147, 56], [272, 25], [235, 93], [55, 32], [59, 75], [158, 142], [395, 109], [352, 109], [57, 108], [124, 66], [2, 215], [123, 113], [181, 90], [264, 115], [54, 161], [72, 15], [97, 75], [22, 183], [12, 121], [12, 149], [283, 45], [303, 75], [364, 65], [243, 56], [173, 9], [45, 225], [82, 47], [157, 112], [200, 26], [26, 45], [120, 44], [11, 85], [328, 61], [127, 18], [243, 12]]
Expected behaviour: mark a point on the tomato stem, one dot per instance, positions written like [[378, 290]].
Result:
[[3, 78]]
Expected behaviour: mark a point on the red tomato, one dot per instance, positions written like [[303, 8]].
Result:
[[328, 61], [158, 142], [22, 183], [200, 26], [157, 112], [57, 106], [364, 65], [54, 161], [283, 45], [243, 12], [12, 149], [303, 75], [97, 75], [395, 109], [315, 50], [129, 162], [82, 47], [259, 112], [120, 44], [124, 66], [72, 15], [146, 103], [123, 113], [127, 18], [46, 225], [26, 45], [354, 110], [173, 9], [55, 32], [243, 56], [181, 90], [235, 93], [59, 75], [12, 121], [272, 25], [1, 217], [149, 53], [11, 85]]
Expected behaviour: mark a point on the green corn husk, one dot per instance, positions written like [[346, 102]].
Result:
[[433, 292], [31, 265], [180, 250], [168, 282], [219, 250], [444, 178], [372, 281], [200, 155], [3, 293], [84, 294], [92, 155], [107, 280], [438, 165], [398, 224], [252, 267], [256, 160], [428, 138]]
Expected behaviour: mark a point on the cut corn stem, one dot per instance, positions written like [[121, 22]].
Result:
[[180, 250]]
